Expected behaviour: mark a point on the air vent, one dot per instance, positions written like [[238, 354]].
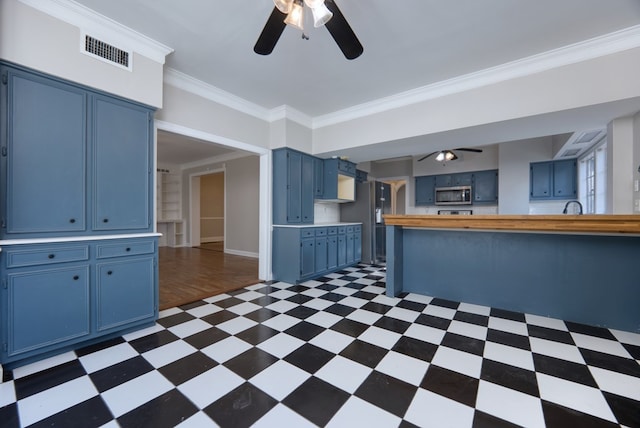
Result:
[[109, 53]]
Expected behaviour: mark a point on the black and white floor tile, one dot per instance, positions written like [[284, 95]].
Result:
[[336, 352]]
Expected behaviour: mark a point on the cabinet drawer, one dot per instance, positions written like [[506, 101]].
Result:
[[118, 249], [332, 230], [357, 229], [46, 255], [342, 229], [322, 231], [350, 229], [307, 232]]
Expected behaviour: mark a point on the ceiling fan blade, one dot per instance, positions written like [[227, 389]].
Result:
[[342, 33], [470, 150], [424, 157], [270, 33]]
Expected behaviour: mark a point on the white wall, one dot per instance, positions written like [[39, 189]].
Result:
[[620, 166], [513, 166], [31, 38], [583, 84], [242, 194]]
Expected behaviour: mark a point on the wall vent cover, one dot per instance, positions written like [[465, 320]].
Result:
[[106, 52]]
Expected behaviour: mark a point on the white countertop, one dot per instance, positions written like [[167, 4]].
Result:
[[318, 224]]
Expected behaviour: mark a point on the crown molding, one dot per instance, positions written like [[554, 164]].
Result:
[[607, 44], [102, 27], [287, 112], [187, 83]]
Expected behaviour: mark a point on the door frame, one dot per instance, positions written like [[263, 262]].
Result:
[[266, 187]]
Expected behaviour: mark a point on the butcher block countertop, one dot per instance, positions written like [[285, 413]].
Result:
[[589, 224]]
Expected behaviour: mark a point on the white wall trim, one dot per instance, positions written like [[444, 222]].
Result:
[[100, 26], [287, 112], [607, 44], [198, 87], [264, 232], [241, 253]]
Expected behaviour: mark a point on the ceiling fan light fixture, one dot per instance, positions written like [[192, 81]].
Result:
[[295, 18], [314, 3], [283, 6], [446, 155], [321, 15]]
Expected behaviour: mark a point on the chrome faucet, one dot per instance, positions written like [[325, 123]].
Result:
[[564, 211]]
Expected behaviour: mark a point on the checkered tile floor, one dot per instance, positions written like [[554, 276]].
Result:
[[336, 352]]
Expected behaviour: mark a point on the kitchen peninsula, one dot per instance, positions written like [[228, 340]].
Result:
[[584, 269]]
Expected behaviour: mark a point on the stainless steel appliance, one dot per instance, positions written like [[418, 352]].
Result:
[[457, 195], [373, 200], [455, 212]]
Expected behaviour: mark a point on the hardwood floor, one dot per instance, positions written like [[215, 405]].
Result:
[[190, 274]]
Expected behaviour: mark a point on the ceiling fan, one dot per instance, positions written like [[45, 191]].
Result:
[[325, 12], [448, 155]]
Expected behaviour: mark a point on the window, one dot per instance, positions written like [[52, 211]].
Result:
[[592, 176]]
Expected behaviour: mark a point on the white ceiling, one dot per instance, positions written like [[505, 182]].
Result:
[[407, 43]]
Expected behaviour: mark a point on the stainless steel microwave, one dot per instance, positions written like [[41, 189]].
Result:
[[458, 195]]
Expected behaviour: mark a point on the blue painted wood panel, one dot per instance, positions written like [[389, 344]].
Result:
[[591, 279], [121, 165], [46, 155]]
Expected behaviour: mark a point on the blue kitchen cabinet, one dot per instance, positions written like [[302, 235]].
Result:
[[61, 295], [125, 283], [565, 179], [293, 187], [45, 307], [361, 176], [318, 177], [78, 161], [444, 180], [339, 180], [424, 190], [485, 187], [302, 253], [122, 134], [44, 154], [462, 179], [332, 248], [553, 179]]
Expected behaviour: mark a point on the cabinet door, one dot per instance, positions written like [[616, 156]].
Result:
[[564, 179], [332, 252], [321, 256], [485, 186], [342, 249], [357, 246], [121, 165], [46, 156], [318, 177], [307, 257], [444, 180], [47, 307], [462, 179], [125, 291], [424, 190], [540, 180], [294, 187], [350, 248], [307, 189]]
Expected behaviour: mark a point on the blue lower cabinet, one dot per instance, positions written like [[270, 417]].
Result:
[[60, 296], [46, 307], [302, 253]]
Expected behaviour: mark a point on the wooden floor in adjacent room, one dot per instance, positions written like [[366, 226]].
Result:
[[189, 274]]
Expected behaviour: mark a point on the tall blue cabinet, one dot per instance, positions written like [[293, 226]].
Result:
[[78, 259]]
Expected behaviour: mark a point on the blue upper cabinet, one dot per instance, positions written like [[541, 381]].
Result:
[[293, 187], [43, 154], [77, 161], [121, 165], [485, 187], [424, 190], [553, 179]]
